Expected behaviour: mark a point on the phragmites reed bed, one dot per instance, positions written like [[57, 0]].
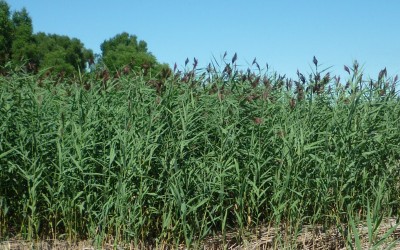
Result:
[[211, 157]]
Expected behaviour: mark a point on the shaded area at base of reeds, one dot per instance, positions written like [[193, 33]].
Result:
[[181, 157], [309, 237]]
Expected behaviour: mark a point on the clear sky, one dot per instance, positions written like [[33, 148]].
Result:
[[286, 34]]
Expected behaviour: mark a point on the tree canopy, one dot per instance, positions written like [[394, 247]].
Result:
[[61, 54], [33, 52], [22, 47], [125, 50], [6, 33]]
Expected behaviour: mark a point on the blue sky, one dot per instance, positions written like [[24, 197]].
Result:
[[286, 34]]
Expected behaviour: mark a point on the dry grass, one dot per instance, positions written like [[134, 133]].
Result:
[[317, 238], [262, 238]]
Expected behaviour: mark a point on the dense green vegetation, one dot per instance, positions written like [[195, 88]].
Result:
[[33, 52], [124, 52], [117, 147], [176, 159], [64, 56]]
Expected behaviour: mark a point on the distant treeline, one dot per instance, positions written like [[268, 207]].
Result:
[[22, 49]]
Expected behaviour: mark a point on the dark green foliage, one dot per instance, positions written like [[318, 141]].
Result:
[[23, 49], [34, 52], [61, 54], [124, 50], [6, 33], [64, 56]]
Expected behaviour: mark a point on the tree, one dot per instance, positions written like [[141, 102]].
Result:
[[6, 31], [61, 53], [124, 50], [38, 51], [23, 44]]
